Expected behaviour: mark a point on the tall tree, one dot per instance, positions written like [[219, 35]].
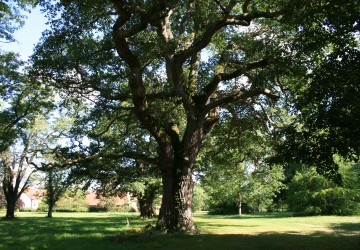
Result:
[[20, 161], [55, 184], [238, 178], [172, 64], [16, 166]]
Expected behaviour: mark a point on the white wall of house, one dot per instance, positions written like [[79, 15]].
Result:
[[26, 199], [35, 204], [28, 202]]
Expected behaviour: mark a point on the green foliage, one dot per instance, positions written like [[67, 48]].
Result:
[[12, 18], [325, 100], [20, 98], [56, 184], [199, 199], [329, 116], [72, 201], [219, 205], [253, 190], [312, 194], [265, 183]]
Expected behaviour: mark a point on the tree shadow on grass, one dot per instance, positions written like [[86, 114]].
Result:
[[99, 233], [348, 228], [234, 241], [64, 232]]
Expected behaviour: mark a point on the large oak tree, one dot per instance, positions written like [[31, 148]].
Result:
[[178, 67]]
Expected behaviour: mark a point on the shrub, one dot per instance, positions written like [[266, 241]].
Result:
[[223, 208], [312, 194], [72, 202]]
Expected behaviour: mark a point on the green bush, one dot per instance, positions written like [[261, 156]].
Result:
[[72, 202], [312, 194], [126, 208], [223, 207], [27, 210]]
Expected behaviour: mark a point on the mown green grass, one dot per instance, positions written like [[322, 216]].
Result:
[[109, 231]]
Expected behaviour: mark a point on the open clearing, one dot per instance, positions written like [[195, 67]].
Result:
[[109, 231]]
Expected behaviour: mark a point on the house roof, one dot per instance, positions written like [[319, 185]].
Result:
[[93, 199], [35, 194]]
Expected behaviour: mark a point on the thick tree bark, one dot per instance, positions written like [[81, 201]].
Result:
[[186, 193], [175, 212]]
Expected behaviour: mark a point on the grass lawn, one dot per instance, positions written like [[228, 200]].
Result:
[[99, 231]]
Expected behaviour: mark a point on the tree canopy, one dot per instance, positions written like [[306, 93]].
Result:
[[170, 71]]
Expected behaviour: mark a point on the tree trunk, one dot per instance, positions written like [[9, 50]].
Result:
[[146, 202], [50, 194], [175, 212], [10, 208], [146, 209], [50, 209], [240, 204]]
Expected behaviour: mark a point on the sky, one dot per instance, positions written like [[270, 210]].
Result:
[[28, 35]]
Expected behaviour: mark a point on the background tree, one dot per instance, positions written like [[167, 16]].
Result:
[[108, 203], [233, 166], [21, 101], [147, 190], [242, 189], [113, 177], [20, 161], [200, 199], [73, 200], [325, 101], [312, 194], [264, 185], [16, 168], [55, 184]]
